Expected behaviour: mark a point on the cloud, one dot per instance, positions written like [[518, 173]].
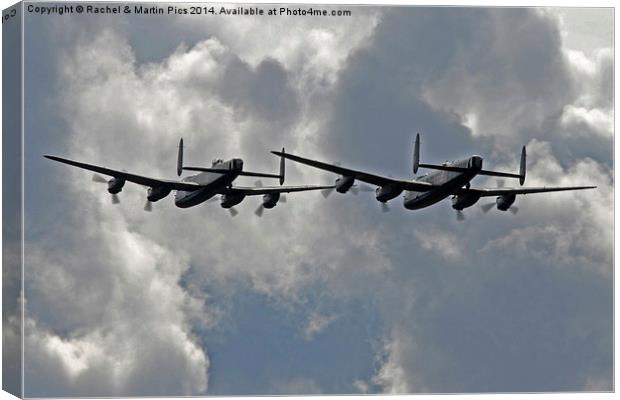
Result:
[[510, 76], [124, 266], [392, 376], [316, 324], [444, 244], [297, 386], [531, 287], [127, 334], [483, 81], [582, 233]]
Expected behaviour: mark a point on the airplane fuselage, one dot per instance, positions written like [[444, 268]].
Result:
[[448, 182], [213, 183]]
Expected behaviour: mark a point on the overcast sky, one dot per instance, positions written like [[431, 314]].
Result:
[[319, 295]]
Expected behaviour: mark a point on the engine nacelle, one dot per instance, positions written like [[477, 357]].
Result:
[[270, 200], [344, 183], [229, 200], [504, 202], [115, 185], [462, 201], [157, 193], [388, 192]]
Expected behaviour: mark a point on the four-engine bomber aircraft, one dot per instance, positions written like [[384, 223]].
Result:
[[449, 179], [195, 189]]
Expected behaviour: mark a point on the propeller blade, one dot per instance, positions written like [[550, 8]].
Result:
[[356, 189], [99, 179], [233, 212], [282, 198], [514, 210], [460, 216], [148, 206], [487, 207], [259, 211], [327, 192], [384, 207], [115, 199]]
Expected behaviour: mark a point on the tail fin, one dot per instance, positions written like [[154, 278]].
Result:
[[416, 154], [282, 167], [522, 167], [180, 158]]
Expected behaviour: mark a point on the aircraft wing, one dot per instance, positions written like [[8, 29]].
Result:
[[255, 191], [141, 180], [505, 191], [377, 180]]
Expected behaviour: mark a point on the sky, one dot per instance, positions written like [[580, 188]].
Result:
[[320, 295]]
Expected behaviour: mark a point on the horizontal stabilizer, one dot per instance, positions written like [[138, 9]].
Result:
[[461, 169], [502, 174], [225, 170], [202, 169], [443, 167], [259, 174]]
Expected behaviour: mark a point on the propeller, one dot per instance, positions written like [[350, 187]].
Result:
[[327, 192], [100, 179], [460, 216], [514, 210], [233, 213], [148, 206], [259, 211], [487, 207], [384, 207], [356, 189], [261, 208]]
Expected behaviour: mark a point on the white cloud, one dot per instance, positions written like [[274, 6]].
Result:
[[129, 326], [442, 243], [296, 386], [312, 50], [316, 324], [581, 232], [393, 376], [361, 386], [133, 324], [126, 269], [490, 81]]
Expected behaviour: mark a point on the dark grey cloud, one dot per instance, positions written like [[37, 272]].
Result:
[[478, 323], [396, 302]]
